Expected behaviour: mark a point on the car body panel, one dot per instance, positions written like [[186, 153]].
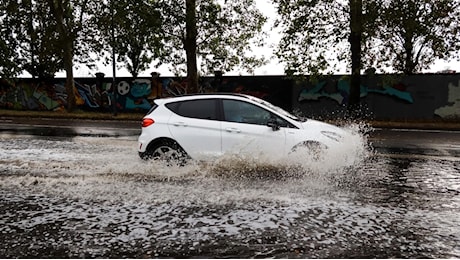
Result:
[[205, 139], [251, 139], [199, 138], [159, 129]]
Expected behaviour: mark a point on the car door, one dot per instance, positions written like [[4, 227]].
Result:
[[245, 130], [195, 126]]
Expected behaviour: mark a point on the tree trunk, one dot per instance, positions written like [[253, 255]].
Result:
[[58, 8], [355, 43], [33, 70], [69, 83], [190, 46], [409, 64]]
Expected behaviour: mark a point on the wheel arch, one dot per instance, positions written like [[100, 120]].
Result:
[[156, 142], [161, 140], [309, 144]]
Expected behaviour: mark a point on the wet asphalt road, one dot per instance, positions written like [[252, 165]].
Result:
[[421, 141], [69, 127], [78, 190]]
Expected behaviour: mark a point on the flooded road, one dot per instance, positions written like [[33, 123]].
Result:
[[87, 197]]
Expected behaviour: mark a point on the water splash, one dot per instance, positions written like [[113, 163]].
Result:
[[95, 169], [101, 191]]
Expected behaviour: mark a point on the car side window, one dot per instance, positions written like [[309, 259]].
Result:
[[283, 123], [200, 109], [243, 112]]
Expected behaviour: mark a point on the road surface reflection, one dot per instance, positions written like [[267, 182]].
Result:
[[93, 197]]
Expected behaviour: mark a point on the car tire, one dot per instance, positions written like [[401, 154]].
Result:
[[168, 151], [313, 149]]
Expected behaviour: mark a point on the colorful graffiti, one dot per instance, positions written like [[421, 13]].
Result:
[[343, 91], [452, 109], [31, 95], [131, 94], [418, 97]]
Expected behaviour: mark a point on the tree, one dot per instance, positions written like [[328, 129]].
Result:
[[414, 33], [190, 45], [36, 41], [225, 34], [309, 30], [138, 32], [30, 37], [77, 37], [9, 58], [62, 12], [320, 35], [356, 31], [37, 34]]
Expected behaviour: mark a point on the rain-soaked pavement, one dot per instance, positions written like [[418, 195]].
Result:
[[89, 195]]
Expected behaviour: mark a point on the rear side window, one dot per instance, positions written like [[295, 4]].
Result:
[[201, 108], [154, 106]]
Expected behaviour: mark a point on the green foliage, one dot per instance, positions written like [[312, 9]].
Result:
[[73, 19], [316, 34], [398, 35], [313, 32], [9, 58], [31, 38], [78, 27], [36, 35], [414, 33], [226, 33], [137, 31], [34, 41]]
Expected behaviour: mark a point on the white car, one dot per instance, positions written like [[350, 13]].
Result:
[[205, 126]]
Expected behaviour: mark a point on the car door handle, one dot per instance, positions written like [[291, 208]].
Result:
[[179, 124], [232, 129]]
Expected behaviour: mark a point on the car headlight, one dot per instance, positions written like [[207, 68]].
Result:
[[332, 135]]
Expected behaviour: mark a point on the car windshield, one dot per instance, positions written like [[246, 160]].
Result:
[[275, 108]]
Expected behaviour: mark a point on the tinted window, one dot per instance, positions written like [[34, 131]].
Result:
[[243, 112], [154, 106], [283, 123], [202, 108]]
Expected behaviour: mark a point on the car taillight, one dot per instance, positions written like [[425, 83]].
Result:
[[147, 122]]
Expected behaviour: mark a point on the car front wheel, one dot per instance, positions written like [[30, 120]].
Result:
[[312, 149]]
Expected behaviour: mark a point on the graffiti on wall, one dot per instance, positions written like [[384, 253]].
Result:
[[342, 92], [30, 95], [131, 95], [428, 96], [453, 108]]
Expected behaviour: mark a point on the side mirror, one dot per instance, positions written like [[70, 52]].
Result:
[[273, 124]]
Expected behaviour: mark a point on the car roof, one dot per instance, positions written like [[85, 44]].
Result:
[[239, 96], [201, 96]]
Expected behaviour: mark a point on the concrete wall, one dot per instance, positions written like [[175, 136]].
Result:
[[427, 96], [415, 97], [132, 95]]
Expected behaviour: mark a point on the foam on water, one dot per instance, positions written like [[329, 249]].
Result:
[[101, 192], [93, 168]]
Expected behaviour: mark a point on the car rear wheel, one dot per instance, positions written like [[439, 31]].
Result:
[[165, 150]]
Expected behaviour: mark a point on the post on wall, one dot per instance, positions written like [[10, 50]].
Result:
[[114, 71], [99, 82], [155, 86]]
